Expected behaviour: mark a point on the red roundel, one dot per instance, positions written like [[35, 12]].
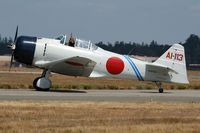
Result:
[[114, 65]]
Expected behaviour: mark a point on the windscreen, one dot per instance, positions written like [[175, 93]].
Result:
[[85, 44]]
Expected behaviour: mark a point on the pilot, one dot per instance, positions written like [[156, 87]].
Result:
[[71, 40]]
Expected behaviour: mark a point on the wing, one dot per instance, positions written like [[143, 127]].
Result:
[[75, 66]]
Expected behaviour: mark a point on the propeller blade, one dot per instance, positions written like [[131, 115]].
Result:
[[16, 33], [11, 61], [12, 47]]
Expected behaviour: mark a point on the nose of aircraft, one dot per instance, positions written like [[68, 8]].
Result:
[[25, 49]]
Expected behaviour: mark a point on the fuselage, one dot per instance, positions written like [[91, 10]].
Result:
[[86, 59], [108, 64]]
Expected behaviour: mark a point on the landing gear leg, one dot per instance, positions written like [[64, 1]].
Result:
[[43, 83], [159, 84]]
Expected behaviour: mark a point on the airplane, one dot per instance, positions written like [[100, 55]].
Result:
[[88, 60]]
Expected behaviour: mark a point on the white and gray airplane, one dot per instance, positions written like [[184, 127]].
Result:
[[86, 59]]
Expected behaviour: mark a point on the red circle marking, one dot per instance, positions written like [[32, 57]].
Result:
[[114, 65]]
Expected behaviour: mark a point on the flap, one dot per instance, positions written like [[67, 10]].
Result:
[[75, 66], [76, 61]]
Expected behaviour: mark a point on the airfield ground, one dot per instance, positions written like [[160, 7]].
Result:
[[98, 117], [89, 117]]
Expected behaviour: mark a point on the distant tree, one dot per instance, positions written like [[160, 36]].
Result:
[[153, 49], [4, 42], [10, 40], [192, 48]]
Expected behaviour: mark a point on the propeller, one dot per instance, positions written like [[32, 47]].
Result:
[[12, 48]]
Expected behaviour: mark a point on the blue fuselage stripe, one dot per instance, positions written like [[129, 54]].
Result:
[[132, 67], [137, 70]]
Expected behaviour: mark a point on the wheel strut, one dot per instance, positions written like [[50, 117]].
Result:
[[159, 85], [43, 83], [46, 73]]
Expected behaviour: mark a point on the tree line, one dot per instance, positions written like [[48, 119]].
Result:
[[191, 45], [4, 42], [192, 48]]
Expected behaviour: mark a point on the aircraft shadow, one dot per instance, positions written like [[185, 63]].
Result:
[[153, 92], [67, 91], [63, 91]]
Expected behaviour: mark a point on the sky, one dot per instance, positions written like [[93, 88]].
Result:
[[165, 21]]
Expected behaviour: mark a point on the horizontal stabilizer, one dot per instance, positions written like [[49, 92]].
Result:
[[158, 66], [171, 66]]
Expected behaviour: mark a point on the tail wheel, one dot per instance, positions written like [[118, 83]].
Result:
[[160, 90], [159, 84]]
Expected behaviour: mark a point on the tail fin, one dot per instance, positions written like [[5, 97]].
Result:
[[174, 59]]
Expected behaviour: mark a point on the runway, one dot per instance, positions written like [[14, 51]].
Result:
[[102, 95]]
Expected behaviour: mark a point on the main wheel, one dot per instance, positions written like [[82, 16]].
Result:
[[42, 84], [35, 83], [160, 90]]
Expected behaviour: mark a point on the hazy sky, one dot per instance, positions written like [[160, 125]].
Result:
[[166, 21]]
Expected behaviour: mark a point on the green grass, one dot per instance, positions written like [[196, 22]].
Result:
[[196, 87], [30, 86], [75, 86], [149, 87], [68, 86], [86, 87], [181, 87], [22, 86], [100, 86], [57, 86], [5, 86], [172, 87], [139, 87], [113, 87]]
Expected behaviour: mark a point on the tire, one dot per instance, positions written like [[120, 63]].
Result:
[[38, 88], [160, 90]]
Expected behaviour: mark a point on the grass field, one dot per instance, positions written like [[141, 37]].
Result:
[[24, 81], [98, 117]]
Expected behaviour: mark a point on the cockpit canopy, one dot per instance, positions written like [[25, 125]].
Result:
[[78, 43], [85, 44]]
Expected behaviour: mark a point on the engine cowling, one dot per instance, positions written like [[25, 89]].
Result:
[[25, 49]]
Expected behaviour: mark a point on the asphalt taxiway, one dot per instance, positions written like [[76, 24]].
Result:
[[102, 95]]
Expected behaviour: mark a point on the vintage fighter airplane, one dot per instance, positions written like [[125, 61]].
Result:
[[86, 59]]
